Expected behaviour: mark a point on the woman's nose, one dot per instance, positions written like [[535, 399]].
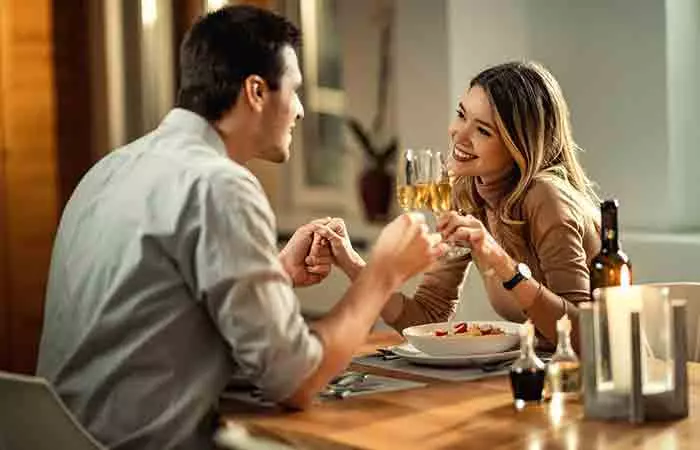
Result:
[[459, 132]]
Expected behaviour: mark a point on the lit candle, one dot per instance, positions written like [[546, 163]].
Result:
[[620, 302]]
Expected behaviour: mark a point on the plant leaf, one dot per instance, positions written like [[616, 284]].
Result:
[[389, 152], [363, 137]]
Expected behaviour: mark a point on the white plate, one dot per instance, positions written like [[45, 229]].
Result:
[[424, 339], [412, 354]]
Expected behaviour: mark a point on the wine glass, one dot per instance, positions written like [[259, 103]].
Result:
[[442, 198], [406, 180], [423, 191]]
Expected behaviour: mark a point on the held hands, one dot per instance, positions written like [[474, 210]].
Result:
[[485, 249], [307, 257], [335, 235]]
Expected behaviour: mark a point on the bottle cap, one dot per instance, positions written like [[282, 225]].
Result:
[[564, 324], [527, 329]]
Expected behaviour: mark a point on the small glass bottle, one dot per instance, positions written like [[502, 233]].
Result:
[[527, 373], [564, 370]]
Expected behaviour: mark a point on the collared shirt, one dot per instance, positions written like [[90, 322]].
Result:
[[164, 282]]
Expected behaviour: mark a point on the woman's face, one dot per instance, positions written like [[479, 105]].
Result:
[[477, 148]]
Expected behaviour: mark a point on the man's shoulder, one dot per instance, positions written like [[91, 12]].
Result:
[[232, 177]]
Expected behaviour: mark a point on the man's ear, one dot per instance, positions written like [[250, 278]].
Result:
[[255, 90]]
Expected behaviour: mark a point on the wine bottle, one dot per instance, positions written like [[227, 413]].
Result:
[[610, 267]]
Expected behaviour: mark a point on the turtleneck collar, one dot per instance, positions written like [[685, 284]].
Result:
[[493, 191]]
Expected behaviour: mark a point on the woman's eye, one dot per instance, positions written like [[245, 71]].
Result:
[[460, 114], [484, 131]]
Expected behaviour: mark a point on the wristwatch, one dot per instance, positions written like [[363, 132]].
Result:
[[522, 272]]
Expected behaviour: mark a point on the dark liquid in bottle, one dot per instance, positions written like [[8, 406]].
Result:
[[527, 384]]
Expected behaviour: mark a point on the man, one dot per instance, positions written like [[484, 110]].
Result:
[[165, 278]]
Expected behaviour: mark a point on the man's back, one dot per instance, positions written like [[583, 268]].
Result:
[[127, 342]]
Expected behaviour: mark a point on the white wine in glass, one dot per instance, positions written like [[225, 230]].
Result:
[[405, 195], [442, 198], [406, 180]]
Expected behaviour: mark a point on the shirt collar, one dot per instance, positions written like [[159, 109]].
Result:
[[192, 123]]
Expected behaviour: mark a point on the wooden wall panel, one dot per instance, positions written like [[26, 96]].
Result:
[[4, 310], [30, 182], [73, 77]]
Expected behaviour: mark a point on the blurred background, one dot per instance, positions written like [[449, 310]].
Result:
[[81, 77]]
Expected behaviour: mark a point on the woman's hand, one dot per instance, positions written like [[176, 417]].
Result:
[[487, 252], [335, 233]]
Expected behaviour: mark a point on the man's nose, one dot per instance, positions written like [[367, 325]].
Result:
[[300, 110]]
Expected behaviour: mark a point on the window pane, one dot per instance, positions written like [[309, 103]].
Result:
[[329, 65], [323, 149]]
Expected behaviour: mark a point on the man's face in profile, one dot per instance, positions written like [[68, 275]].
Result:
[[281, 110]]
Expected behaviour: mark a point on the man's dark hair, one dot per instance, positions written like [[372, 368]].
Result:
[[224, 48]]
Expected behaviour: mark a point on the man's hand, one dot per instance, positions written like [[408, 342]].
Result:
[[405, 248], [303, 244], [344, 256]]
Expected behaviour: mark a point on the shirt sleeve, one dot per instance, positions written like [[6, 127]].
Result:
[[556, 230], [245, 289], [436, 297]]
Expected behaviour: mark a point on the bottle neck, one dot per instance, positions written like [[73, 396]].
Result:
[[527, 349], [564, 343], [609, 234]]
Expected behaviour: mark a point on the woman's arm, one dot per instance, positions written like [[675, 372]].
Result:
[[434, 300], [555, 232]]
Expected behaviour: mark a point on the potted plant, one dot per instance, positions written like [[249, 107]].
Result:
[[376, 181]]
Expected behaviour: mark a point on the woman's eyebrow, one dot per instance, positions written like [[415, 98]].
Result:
[[486, 124]]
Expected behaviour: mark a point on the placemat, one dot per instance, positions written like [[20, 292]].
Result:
[[372, 384], [439, 373]]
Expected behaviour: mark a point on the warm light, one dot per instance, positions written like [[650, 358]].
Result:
[[556, 410], [149, 12], [625, 276], [213, 5]]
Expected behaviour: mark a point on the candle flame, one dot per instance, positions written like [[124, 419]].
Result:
[[625, 278]]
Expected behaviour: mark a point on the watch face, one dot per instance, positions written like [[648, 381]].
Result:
[[524, 270]]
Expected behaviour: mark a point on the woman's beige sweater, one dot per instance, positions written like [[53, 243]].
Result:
[[560, 246]]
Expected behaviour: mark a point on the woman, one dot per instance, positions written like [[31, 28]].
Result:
[[529, 203]]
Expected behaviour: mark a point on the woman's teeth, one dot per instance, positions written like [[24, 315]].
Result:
[[462, 155]]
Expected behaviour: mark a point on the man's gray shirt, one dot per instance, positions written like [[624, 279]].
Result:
[[164, 281]]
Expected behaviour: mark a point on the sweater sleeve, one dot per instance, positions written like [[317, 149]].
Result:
[[556, 231], [436, 297]]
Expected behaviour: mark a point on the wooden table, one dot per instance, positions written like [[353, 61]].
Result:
[[465, 415]]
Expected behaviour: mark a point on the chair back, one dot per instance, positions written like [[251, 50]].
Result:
[[690, 292], [33, 417]]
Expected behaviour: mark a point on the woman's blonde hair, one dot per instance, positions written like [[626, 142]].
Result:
[[532, 118]]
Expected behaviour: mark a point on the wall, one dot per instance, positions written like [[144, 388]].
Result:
[[683, 62], [423, 100]]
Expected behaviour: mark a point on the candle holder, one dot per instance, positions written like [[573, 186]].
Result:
[[634, 354]]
